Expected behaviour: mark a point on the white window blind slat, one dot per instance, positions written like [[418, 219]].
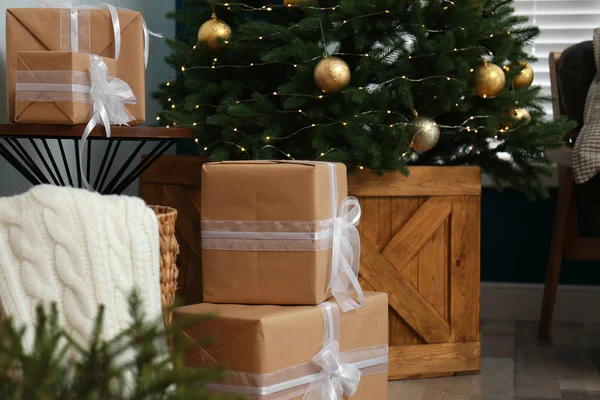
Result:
[[562, 23]]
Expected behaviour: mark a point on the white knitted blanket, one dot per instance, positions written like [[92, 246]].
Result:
[[80, 250]]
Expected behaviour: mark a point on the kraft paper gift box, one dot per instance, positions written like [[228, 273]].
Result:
[[50, 29], [269, 233], [277, 352], [42, 89]]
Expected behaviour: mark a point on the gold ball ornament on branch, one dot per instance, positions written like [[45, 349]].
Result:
[[332, 75], [488, 80], [521, 114], [427, 134], [213, 32], [525, 77]]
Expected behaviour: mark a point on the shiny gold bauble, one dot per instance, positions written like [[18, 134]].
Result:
[[488, 80], [427, 134], [521, 114], [213, 32], [332, 75], [525, 78]]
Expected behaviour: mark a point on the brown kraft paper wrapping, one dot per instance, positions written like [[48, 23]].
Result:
[[39, 29], [264, 339], [44, 111], [267, 191]]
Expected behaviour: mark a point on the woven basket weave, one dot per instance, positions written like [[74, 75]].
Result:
[[169, 249]]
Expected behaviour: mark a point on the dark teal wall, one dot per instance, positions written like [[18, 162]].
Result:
[[515, 241]]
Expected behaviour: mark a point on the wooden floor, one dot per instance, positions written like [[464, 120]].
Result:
[[515, 365]]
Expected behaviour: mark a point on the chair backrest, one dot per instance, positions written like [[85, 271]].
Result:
[[556, 99]]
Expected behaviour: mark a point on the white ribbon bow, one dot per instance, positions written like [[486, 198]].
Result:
[[114, 15], [346, 256], [109, 97], [336, 378]]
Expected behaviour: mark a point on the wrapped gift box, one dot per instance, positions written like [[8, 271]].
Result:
[[45, 87], [273, 351], [267, 231], [50, 29]]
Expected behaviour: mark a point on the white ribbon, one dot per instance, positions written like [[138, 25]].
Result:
[[346, 256], [109, 97], [114, 15], [336, 378]]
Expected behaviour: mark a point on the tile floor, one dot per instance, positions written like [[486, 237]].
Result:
[[516, 366]]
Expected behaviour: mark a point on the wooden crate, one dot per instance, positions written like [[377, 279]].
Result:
[[174, 181], [420, 244]]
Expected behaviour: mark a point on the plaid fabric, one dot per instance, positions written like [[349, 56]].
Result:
[[586, 157]]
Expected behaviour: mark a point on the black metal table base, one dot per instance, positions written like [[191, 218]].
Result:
[[37, 162]]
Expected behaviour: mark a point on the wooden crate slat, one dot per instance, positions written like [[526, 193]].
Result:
[[403, 297], [433, 270], [376, 225], [413, 235], [151, 193], [464, 268], [366, 286], [422, 181], [401, 333], [403, 209], [175, 170], [418, 361]]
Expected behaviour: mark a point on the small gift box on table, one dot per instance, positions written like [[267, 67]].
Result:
[[102, 30], [279, 232], [301, 352], [55, 87]]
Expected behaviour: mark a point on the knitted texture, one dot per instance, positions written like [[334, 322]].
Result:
[[80, 250]]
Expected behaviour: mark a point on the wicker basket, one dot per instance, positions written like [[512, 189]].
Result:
[[169, 249]]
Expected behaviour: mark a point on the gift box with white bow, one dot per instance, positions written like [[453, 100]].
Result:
[[102, 30], [60, 88], [279, 232], [300, 352]]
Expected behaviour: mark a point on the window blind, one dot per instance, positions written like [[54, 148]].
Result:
[[562, 23]]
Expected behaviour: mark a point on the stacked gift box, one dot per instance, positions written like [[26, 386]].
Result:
[[281, 255], [67, 65]]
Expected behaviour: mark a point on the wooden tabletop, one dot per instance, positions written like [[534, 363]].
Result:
[[118, 132]]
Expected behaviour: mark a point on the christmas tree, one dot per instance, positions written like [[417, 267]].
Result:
[[378, 84], [57, 367]]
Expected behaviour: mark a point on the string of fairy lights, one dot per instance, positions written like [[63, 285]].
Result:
[[426, 130]]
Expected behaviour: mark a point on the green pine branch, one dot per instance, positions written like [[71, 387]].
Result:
[[260, 101], [136, 364]]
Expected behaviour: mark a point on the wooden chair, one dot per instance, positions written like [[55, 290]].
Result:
[[566, 240]]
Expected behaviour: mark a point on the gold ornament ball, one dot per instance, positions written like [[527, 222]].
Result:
[[521, 114], [213, 32], [427, 134], [332, 75], [525, 78], [488, 80]]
